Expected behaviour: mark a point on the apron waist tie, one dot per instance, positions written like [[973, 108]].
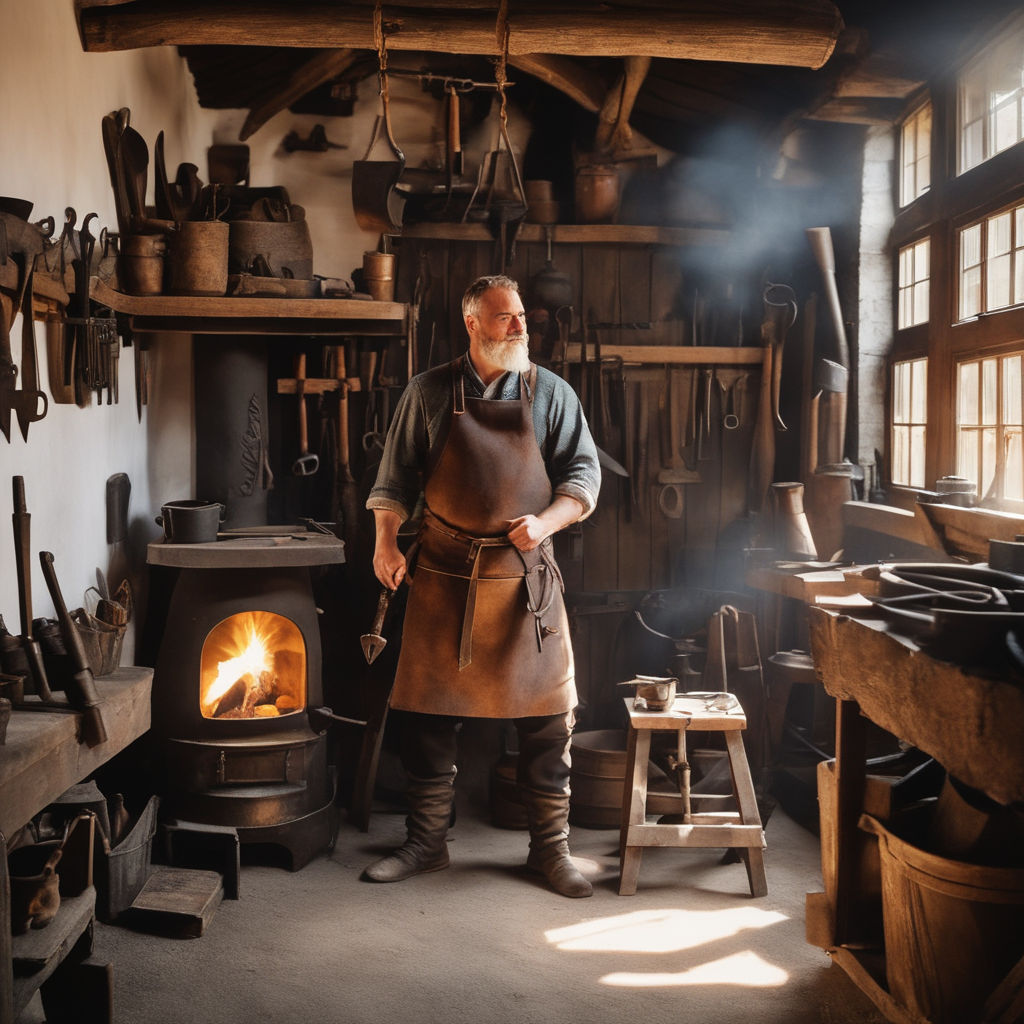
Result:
[[538, 607]]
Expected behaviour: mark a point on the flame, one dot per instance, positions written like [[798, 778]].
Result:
[[249, 646], [253, 660]]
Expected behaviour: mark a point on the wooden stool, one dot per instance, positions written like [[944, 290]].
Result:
[[730, 829]]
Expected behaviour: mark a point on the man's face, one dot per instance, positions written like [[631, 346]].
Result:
[[500, 330]]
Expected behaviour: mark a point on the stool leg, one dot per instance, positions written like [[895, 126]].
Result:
[[743, 786], [634, 807]]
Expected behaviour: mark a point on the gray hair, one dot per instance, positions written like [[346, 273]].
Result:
[[474, 293]]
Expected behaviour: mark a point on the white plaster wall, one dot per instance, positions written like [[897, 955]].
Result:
[[875, 318], [52, 99]]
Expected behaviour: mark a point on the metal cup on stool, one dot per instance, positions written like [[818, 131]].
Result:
[[653, 693]]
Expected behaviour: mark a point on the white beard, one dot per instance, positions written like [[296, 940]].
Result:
[[511, 353]]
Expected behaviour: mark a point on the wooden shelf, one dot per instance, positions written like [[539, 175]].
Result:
[[37, 954], [575, 234], [675, 355], [43, 756], [205, 314]]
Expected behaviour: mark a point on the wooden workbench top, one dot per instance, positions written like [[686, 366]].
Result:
[[970, 724], [43, 756]]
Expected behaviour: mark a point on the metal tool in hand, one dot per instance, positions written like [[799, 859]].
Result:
[[374, 642]]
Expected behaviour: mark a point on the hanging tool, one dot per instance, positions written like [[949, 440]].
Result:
[[22, 556], [374, 642], [30, 403], [348, 489], [675, 474], [308, 462], [81, 686], [374, 181], [780, 301]]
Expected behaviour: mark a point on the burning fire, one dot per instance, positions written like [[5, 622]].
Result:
[[253, 666]]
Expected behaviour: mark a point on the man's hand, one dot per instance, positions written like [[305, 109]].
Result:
[[388, 561], [528, 532]]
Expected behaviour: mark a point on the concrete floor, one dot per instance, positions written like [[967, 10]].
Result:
[[485, 943]]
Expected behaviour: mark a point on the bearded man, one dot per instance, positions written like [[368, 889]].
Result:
[[502, 454]]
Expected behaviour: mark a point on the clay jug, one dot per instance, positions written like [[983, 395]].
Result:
[[792, 532], [597, 194]]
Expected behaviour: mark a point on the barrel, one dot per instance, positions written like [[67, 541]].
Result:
[[598, 777], [953, 930]]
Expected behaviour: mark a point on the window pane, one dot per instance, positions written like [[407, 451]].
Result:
[[919, 390], [988, 459], [920, 314], [988, 391], [998, 235], [997, 282], [901, 455], [972, 153], [970, 293], [1004, 126], [917, 443], [1013, 479], [970, 246], [900, 393], [967, 455], [968, 391], [1011, 391]]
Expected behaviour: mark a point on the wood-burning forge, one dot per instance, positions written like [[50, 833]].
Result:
[[237, 674]]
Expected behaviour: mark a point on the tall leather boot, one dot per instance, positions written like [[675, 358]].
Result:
[[548, 817], [425, 848]]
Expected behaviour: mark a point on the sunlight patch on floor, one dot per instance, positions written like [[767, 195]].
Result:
[[745, 969], [659, 931]]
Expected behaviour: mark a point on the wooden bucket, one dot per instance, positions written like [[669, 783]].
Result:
[[197, 258], [953, 931], [598, 776]]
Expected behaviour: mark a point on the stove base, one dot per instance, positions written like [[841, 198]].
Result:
[[272, 789]]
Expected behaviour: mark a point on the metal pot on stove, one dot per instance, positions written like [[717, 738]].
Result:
[[191, 521]]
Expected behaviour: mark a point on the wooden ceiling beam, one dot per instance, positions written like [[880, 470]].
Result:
[[321, 67], [801, 33]]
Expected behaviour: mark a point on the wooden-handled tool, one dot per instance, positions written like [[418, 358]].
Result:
[[22, 553], [81, 687], [308, 462], [374, 642]]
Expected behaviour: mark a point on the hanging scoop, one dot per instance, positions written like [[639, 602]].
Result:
[[376, 206]]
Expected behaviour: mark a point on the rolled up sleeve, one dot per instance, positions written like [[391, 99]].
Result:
[[400, 474]]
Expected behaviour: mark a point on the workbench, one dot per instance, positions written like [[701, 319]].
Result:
[[41, 759], [971, 724]]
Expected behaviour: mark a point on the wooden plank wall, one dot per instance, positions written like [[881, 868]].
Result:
[[628, 544]]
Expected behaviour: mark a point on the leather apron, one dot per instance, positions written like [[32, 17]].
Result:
[[486, 634]]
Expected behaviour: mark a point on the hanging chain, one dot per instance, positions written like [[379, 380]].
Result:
[[501, 69], [382, 50]]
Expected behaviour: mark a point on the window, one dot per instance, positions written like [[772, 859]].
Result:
[[989, 426], [909, 419], [916, 155], [991, 102], [991, 263], [913, 284]]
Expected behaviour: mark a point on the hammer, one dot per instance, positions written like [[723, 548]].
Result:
[[307, 463]]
